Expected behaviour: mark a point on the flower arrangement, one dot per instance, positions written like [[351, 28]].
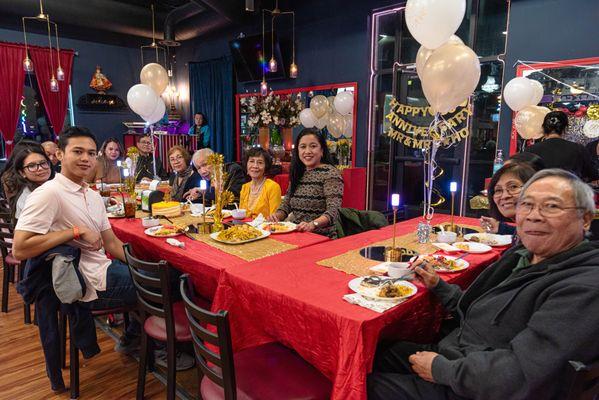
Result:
[[343, 148], [332, 145], [222, 196], [279, 110]]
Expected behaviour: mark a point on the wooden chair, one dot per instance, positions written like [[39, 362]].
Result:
[[161, 319], [585, 381], [269, 371], [11, 266]]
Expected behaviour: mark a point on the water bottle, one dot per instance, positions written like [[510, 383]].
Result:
[[498, 162]]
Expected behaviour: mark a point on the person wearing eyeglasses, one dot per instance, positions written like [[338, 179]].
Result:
[[145, 162], [521, 320], [504, 189], [183, 177], [32, 168]]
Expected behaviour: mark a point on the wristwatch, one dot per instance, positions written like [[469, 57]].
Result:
[[316, 224]]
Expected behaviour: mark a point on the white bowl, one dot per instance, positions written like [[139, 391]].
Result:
[[447, 237], [196, 208], [399, 269], [238, 213]]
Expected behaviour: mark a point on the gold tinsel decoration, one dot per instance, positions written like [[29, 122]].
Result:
[[593, 112]]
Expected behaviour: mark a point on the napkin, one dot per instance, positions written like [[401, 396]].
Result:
[[376, 306], [175, 242], [259, 220]]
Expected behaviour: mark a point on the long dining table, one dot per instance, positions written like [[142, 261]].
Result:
[[294, 299]]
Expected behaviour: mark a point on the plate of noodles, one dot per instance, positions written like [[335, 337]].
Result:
[[239, 234], [382, 289]]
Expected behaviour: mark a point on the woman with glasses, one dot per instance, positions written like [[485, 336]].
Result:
[[31, 169], [504, 190], [106, 169], [183, 178]]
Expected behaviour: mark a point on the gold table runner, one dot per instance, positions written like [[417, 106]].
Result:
[[353, 263]]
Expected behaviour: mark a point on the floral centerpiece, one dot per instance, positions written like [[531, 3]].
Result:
[[343, 149], [222, 195]]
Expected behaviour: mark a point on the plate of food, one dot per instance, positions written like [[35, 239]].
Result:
[[444, 264], [472, 247], [239, 234], [278, 227], [489, 239], [380, 289], [210, 213], [163, 231], [115, 215]]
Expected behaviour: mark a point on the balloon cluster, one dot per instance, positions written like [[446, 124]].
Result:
[[522, 95], [448, 70], [333, 112], [144, 98]]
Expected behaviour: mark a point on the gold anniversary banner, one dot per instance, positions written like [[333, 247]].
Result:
[[404, 130]]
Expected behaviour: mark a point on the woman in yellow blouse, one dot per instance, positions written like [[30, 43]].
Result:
[[260, 195]]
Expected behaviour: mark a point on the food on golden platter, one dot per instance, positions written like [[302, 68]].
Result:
[[276, 227], [167, 208], [441, 263], [462, 246], [391, 291], [165, 231], [239, 233]]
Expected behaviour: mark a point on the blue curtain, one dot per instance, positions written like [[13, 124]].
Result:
[[211, 93]]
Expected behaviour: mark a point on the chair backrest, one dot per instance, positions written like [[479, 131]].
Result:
[[585, 381], [224, 375], [151, 280], [7, 232]]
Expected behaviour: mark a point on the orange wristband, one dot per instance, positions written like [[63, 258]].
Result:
[[76, 234]]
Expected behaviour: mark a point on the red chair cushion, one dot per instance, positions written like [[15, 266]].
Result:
[[156, 327], [272, 371], [11, 260]]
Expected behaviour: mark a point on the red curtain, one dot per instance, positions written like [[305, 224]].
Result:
[[54, 102], [11, 90]]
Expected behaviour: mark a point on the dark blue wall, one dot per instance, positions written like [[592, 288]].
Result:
[[120, 64], [548, 30]]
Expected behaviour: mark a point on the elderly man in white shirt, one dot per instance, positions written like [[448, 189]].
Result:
[[66, 210]]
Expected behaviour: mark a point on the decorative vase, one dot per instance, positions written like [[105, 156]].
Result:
[[264, 137], [287, 133]]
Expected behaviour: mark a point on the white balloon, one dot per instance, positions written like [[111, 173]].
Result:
[[142, 99], [591, 128], [307, 118], [322, 122], [432, 22], [158, 113], [538, 91], [344, 102], [521, 92]]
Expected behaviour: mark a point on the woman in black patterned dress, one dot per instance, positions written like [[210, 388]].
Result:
[[315, 187]]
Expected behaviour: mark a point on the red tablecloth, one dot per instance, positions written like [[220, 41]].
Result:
[[290, 299], [202, 261], [354, 190]]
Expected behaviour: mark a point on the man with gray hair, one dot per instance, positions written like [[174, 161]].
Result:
[[521, 320], [235, 176]]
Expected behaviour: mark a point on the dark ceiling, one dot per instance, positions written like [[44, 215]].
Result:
[[128, 21]]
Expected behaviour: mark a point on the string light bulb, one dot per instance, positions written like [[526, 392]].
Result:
[[263, 88], [60, 73], [293, 70], [272, 65], [53, 84], [27, 64]]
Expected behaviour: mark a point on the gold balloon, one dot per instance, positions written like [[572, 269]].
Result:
[[449, 76], [424, 53], [336, 125], [155, 76], [529, 122], [319, 106]]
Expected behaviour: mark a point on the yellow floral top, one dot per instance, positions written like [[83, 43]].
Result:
[[265, 203]]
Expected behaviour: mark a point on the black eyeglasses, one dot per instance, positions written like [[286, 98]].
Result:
[[511, 190], [34, 167]]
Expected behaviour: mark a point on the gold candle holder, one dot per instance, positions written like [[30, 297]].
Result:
[[393, 254], [453, 228]]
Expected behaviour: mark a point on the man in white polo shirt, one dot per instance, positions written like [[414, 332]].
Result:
[[66, 210]]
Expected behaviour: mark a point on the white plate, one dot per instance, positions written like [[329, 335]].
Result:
[[226, 214], [290, 227], [461, 264], [265, 234], [371, 292], [490, 239], [446, 247], [150, 232], [473, 247], [111, 215]]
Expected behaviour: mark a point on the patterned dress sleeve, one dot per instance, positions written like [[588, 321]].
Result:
[[333, 193]]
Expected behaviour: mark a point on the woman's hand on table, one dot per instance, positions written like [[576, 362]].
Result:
[[422, 364], [192, 194], [306, 226], [425, 272], [491, 225], [273, 217]]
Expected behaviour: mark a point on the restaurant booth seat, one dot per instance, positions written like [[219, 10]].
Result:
[[160, 317], [266, 372]]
